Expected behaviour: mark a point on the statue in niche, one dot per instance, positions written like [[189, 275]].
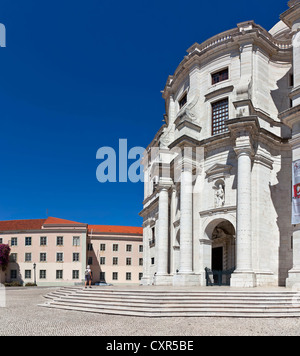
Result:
[[220, 196]]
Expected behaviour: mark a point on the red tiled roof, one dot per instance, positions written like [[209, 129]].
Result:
[[57, 221], [20, 225], [116, 229]]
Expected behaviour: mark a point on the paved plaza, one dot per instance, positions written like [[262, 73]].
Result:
[[22, 316]]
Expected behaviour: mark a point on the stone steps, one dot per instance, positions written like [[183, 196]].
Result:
[[171, 303]]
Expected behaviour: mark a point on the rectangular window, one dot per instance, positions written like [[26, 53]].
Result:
[[153, 236], [27, 241], [115, 260], [128, 276], [115, 276], [59, 241], [75, 257], [75, 274], [128, 261], [1, 240], [27, 274], [128, 248], [59, 274], [43, 274], [28, 257], [140, 276], [183, 101], [76, 241], [14, 241], [115, 247], [13, 257], [90, 247], [220, 76], [59, 257], [140, 262], [102, 260], [43, 257], [102, 276], [13, 274], [220, 114], [102, 247], [291, 81], [43, 241], [90, 261], [141, 248]]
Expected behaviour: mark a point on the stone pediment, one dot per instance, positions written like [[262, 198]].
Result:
[[218, 171]]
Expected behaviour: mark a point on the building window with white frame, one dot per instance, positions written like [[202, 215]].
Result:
[[102, 247], [28, 241], [75, 257], [75, 274], [13, 257], [14, 241], [59, 274], [28, 257], [59, 257], [27, 274], [43, 257], [76, 241], [128, 276], [115, 247], [43, 241], [59, 241], [43, 274]]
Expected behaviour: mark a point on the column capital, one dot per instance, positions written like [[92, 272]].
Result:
[[244, 151], [164, 184], [246, 126]]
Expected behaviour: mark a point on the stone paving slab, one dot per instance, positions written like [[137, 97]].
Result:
[[23, 316]]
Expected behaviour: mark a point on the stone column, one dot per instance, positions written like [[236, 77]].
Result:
[[244, 276], [186, 274], [163, 232], [186, 223], [162, 276], [146, 256]]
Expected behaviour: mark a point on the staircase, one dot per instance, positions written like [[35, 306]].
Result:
[[177, 303]]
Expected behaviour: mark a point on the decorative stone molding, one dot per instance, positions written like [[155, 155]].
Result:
[[217, 211], [218, 171]]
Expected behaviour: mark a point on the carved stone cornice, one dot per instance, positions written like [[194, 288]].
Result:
[[218, 171], [290, 16], [291, 116]]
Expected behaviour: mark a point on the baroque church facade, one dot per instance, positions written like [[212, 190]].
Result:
[[218, 173]]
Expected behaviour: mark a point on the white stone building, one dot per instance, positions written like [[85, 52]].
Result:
[[225, 203]]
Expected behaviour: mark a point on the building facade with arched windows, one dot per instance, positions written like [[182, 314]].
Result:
[[218, 173]]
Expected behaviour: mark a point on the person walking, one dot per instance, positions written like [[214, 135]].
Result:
[[88, 277]]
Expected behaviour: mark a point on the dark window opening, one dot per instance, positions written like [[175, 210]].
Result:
[[220, 76], [220, 114], [183, 101]]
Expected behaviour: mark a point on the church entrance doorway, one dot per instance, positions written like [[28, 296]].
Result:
[[217, 259], [223, 254]]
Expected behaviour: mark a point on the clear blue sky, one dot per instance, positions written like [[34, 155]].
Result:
[[79, 75]]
